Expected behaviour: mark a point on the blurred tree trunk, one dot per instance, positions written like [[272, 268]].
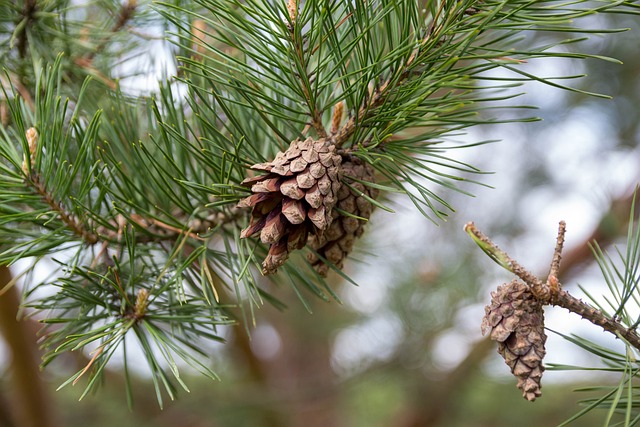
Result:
[[29, 399], [299, 378], [303, 370]]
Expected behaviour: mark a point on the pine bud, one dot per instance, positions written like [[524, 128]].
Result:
[[336, 119], [292, 8], [142, 301], [32, 141]]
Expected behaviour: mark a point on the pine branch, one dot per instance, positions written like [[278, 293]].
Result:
[[26, 18], [69, 220], [381, 92], [153, 182], [551, 292], [125, 14]]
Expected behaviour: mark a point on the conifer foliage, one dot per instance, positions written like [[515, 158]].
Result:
[[284, 125]]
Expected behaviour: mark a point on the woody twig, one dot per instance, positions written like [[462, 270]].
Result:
[[551, 292]]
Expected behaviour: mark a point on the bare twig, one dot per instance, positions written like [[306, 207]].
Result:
[[538, 288], [557, 253]]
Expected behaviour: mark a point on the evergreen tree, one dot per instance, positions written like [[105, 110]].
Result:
[[172, 213]]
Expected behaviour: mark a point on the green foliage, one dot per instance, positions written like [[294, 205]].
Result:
[[135, 195], [620, 302]]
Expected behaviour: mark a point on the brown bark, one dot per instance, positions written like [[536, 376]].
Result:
[[29, 398]]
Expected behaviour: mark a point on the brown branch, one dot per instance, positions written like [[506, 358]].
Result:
[[166, 231], [124, 16], [80, 229], [5, 415], [68, 219], [126, 13], [104, 234], [30, 399], [557, 253], [435, 399], [565, 300], [551, 293], [28, 11]]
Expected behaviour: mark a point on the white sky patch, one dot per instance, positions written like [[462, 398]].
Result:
[[265, 341], [450, 348], [374, 340]]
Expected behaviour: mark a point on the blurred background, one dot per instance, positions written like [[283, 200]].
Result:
[[404, 349]]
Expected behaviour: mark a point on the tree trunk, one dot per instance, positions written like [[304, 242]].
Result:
[[29, 400]]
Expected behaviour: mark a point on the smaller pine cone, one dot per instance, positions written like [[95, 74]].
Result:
[[294, 198], [337, 241], [516, 320]]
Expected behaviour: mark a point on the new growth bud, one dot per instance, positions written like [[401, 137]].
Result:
[[32, 141]]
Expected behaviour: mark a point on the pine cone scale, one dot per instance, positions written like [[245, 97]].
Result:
[[294, 211], [273, 229], [291, 189], [310, 156], [253, 228], [305, 180], [298, 165], [317, 170], [318, 217], [267, 185], [314, 197], [324, 185]]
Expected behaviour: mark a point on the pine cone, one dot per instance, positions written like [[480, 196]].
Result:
[[296, 197], [338, 239], [516, 320]]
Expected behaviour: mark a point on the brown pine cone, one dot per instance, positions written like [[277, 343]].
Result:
[[337, 241], [516, 320], [296, 197]]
